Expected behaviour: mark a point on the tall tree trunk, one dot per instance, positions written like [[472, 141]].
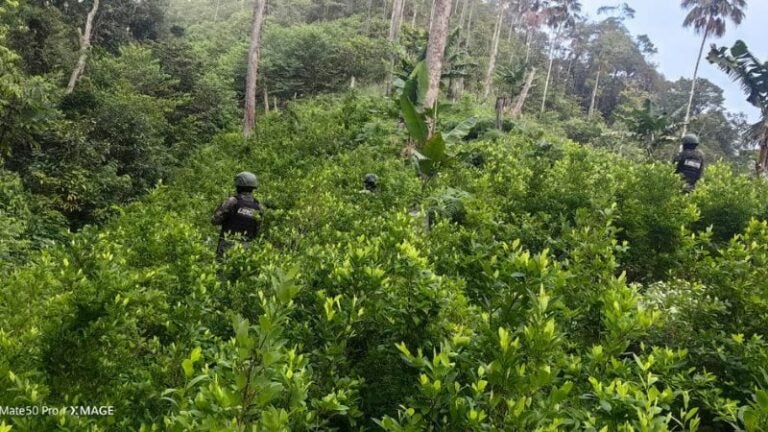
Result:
[[594, 95], [693, 83], [546, 85], [523, 95], [415, 14], [438, 37], [432, 14], [469, 26], [400, 19], [368, 18], [762, 159], [567, 79], [394, 30], [249, 119], [528, 38], [549, 70], [466, 36], [463, 13], [501, 103], [494, 51], [85, 46], [266, 99]]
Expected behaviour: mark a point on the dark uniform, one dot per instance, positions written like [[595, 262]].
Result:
[[239, 216], [690, 162], [370, 183]]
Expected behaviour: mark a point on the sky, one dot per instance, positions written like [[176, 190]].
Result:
[[662, 21]]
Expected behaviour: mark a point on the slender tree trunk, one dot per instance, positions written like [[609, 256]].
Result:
[[762, 159], [432, 14], [415, 14], [266, 99], [594, 95], [466, 36], [693, 83], [549, 70], [249, 119], [567, 79], [85, 46], [469, 26], [400, 18], [546, 85], [463, 13], [216, 13], [368, 18], [494, 51], [523, 95], [438, 37], [528, 45], [394, 30], [501, 103]]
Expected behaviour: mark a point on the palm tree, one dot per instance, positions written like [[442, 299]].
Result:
[[708, 17], [752, 75]]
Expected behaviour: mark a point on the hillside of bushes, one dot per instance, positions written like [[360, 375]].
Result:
[[534, 284]]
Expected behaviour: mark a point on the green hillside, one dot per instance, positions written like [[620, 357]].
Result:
[[559, 287]]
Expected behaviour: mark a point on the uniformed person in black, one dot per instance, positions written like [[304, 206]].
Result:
[[240, 215], [370, 183], [690, 162]]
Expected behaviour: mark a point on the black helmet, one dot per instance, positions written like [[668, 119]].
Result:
[[690, 140], [246, 179], [371, 182], [371, 178]]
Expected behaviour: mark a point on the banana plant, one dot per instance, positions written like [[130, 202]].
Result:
[[743, 67], [651, 127], [431, 146]]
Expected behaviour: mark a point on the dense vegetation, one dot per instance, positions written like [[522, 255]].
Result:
[[566, 288], [542, 272]]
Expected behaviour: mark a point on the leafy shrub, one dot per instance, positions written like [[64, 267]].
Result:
[[578, 290]]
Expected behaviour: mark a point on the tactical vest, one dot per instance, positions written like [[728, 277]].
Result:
[[244, 218], [690, 164]]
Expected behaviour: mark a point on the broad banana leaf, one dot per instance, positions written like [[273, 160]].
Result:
[[414, 121], [461, 130]]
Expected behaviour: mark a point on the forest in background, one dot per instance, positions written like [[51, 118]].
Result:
[[164, 76], [562, 280]]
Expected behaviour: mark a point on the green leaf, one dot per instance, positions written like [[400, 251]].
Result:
[[414, 121], [605, 406], [421, 77], [762, 399], [189, 363], [435, 148], [461, 130], [739, 49]]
